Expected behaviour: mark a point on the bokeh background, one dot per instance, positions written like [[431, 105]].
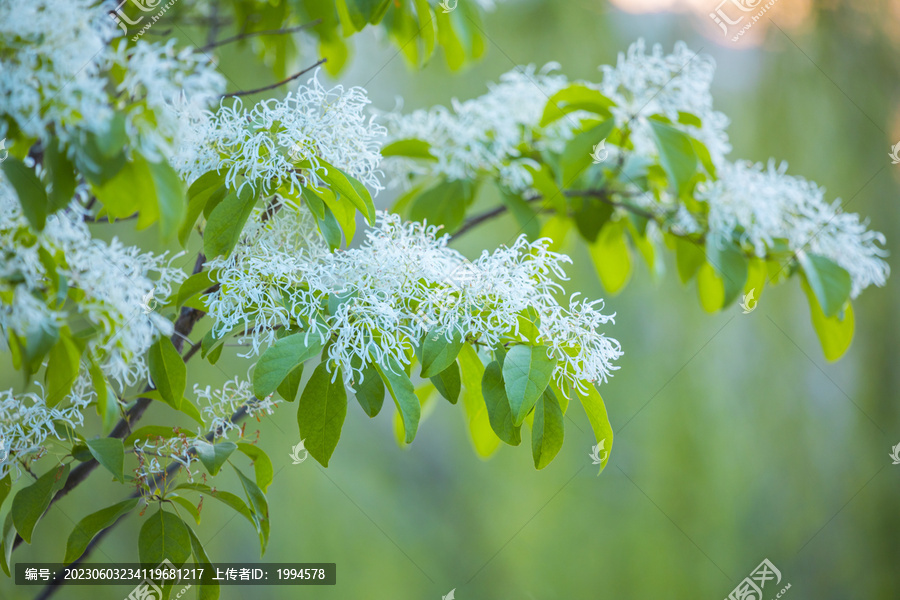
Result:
[[735, 440]]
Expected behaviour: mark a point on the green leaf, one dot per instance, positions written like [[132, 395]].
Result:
[[259, 507], [281, 358], [29, 504], [599, 420], [207, 591], [611, 256], [321, 412], [92, 524], [591, 218], [168, 371], [577, 96], [410, 148], [164, 536], [676, 154], [61, 173], [170, 197], [548, 430], [472, 372], [448, 383], [524, 215], [262, 464], [107, 404], [5, 486], [227, 498], [526, 374], [830, 282], [214, 456], [545, 183], [7, 541], [223, 228], [288, 388], [32, 195], [330, 228], [349, 188], [436, 352], [187, 505], [498, 408], [109, 452], [444, 204], [427, 27], [370, 391], [710, 288], [402, 391], [730, 265], [63, 365], [193, 285], [690, 256], [577, 156], [835, 333], [209, 187]]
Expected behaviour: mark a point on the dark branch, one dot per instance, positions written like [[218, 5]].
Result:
[[275, 85], [249, 34]]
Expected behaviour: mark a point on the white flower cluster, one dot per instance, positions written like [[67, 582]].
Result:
[[264, 146], [112, 282], [221, 404], [26, 421], [51, 64], [759, 205], [644, 84], [484, 134], [282, 274], [59, 67]]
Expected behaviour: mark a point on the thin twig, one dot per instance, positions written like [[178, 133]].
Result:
[[275, 85], [249, 34]]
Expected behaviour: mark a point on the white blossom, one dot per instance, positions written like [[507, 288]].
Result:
[[402, 282], [221, 404], [266, 144], [759, 205]]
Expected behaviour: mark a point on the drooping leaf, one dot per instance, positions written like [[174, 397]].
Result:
[[676, 154], [611, 257], [110, 453], [259, 508], [548, 429], [830, 282], [168, 371], [30, 502], [370, 391], [91, 525], [164, 536], [483, 437], [599, 420], [402, 391], [281, 358], [262, 464], [436, 352], [448, 382], [214, 456], [320, 413], [730, 265], [226, 221], [499, 412], [63, 365], [835, 333]]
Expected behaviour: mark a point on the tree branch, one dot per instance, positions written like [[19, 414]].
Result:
[[243, 36], [275, 85], [183, 326]]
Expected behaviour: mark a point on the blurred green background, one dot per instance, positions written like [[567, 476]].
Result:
[[735, 440]]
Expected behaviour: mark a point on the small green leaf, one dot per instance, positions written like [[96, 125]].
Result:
[[5, 486], [63, 365], [599, 420], [577, 156], [830, 282], [30, 502], [676, 154], [92, 524], [170, 197], [410, 148], [526, 373], [444, 204], [209, 187], [187, 505], [226, 221], [259, 506], [207, 591], [472, 372], [351, 189], [370, 391], [214, 456], [730, 264], [281, 358], [288, 388], [835, 333], [402, 391], [499, 412], [61, 172], [577, 96], [436, 352], [32, 195], [448, 383], [690, 256], [262, 464], [321, 412], [109, 452], [227, 498], [168, 371], [548, 430], [193, 285], [611, 256], [164, 536]]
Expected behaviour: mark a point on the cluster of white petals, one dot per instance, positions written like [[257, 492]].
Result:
[[220, 405], [282, 142], [113, 282], [26, 421], [760, 205], [483, 134], [374, 303]]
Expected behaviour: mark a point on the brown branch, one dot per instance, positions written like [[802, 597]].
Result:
[[183, 326], [52, 588], [249, 34], [275, 85]]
